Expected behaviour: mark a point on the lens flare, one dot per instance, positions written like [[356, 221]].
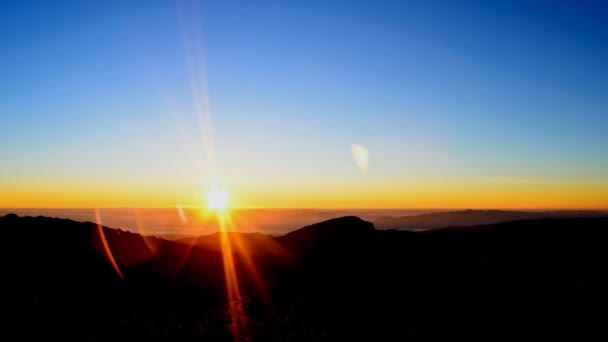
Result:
[[360, 156], [106, 246], [151, 248], [182, 214]]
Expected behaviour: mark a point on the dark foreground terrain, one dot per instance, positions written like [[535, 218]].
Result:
[[336, 280]]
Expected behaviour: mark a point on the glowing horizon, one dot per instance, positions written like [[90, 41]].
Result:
[[592, 199]]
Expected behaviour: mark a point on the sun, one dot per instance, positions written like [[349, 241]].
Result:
[[217, 198]]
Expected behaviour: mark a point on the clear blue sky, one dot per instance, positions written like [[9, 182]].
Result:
[[440, 92]]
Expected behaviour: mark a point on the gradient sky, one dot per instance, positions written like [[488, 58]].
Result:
[[459, 103]]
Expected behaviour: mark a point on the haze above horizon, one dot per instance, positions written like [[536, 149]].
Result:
[[359, 104]]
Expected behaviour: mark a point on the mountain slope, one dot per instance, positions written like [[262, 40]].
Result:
[[341, 280], [473, 217], [245, 242]]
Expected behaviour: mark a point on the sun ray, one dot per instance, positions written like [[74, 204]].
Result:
[[191, 244], [238, 318], [236, 242]]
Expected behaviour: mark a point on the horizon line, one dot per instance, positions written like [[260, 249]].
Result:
[[309, 208]]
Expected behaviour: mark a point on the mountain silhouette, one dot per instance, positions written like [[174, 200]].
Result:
[[336, 280], [474, 217], [334, 233], [251, 242]]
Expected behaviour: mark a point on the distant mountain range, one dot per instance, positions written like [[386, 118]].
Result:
[[266, 244], [474, 217], [340, 279]]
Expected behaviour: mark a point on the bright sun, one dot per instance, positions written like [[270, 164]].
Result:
[[217, 198]]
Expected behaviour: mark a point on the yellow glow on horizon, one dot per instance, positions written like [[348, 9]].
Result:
[[418, 194]]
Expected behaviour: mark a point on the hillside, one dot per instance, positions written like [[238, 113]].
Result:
[[339, 280], [260, 243], [474, 217]]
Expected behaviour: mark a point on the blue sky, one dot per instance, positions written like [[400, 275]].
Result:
[[447, 91]]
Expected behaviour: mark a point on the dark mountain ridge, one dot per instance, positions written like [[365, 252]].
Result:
[[258, 242], [475, 217], [340, 280]]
